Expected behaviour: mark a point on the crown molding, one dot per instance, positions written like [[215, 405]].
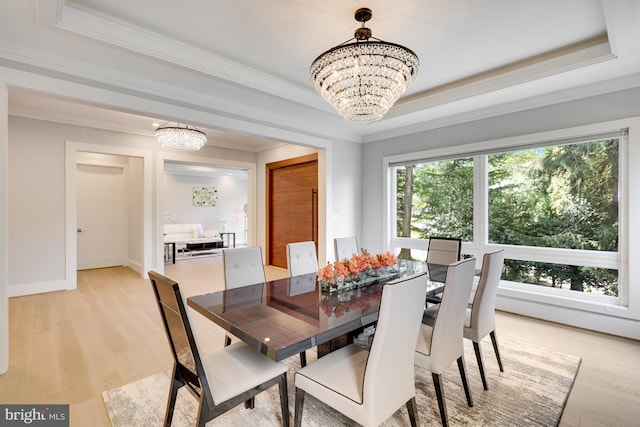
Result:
[[110, 30], [68, 119]]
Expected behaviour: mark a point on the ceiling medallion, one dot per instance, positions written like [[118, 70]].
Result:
[[363, 79]]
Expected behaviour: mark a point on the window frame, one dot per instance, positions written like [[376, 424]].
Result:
[[480, 151]]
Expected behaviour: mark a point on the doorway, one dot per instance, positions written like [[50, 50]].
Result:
[[101, 210], [225, 212], [292, 205], [137, 229]]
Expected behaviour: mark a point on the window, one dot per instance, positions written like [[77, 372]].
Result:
[[560, 196], [553, 206], [434, 198]]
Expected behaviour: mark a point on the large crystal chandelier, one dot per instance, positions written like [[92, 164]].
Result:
[[184, 138], [363, 79]]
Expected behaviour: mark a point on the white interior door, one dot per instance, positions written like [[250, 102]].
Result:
[[101, 219]]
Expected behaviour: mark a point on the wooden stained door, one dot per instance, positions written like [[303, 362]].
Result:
[[292, 211]]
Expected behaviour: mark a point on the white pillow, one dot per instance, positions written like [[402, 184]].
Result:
[[197, 230]]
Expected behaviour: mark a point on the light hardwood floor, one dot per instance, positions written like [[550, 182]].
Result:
[[70, 346]]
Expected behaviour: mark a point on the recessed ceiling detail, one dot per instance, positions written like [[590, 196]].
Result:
[[242, 67]]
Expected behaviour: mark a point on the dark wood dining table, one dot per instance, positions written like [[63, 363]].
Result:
[[284, 317]]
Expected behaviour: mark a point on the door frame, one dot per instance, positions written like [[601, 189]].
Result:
[[71, 220], [281, 164]]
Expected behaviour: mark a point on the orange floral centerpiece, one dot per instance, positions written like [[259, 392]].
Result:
[[357, 270]]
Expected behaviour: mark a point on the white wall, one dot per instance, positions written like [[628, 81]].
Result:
[[135, 177], [347, 194], [232, 196], [37, 205], [4, 229], [589, 111]]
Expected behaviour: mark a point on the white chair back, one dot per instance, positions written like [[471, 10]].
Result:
[[445, 343], [345, 247], [370, 386], [481, 315], [243, 266], [302, 258], [443, 251], [389, 379]]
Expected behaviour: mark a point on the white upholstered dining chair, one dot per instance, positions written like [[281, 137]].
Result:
[[441, 251], [480, 315], [242, 267], [370, 386], [442, 344], [302, 258], [345, 247], [221, 380]]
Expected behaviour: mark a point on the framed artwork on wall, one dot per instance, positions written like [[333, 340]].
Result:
[[204, 196]]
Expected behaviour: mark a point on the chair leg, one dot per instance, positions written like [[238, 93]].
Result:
[[476, 348], [465, 383], [412, 408], [227, 341], [204, 413], [437, 383], [303, 359], [284, 399], [494, 341], [173, 394], [297, 417]]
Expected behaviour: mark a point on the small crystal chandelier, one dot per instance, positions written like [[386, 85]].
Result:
[[184, 138], [363, 79]]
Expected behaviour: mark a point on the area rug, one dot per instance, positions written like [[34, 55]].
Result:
[[532, 391]]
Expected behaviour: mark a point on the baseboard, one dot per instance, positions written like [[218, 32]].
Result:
[[599, 322], [135, 266], [36, 288]]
